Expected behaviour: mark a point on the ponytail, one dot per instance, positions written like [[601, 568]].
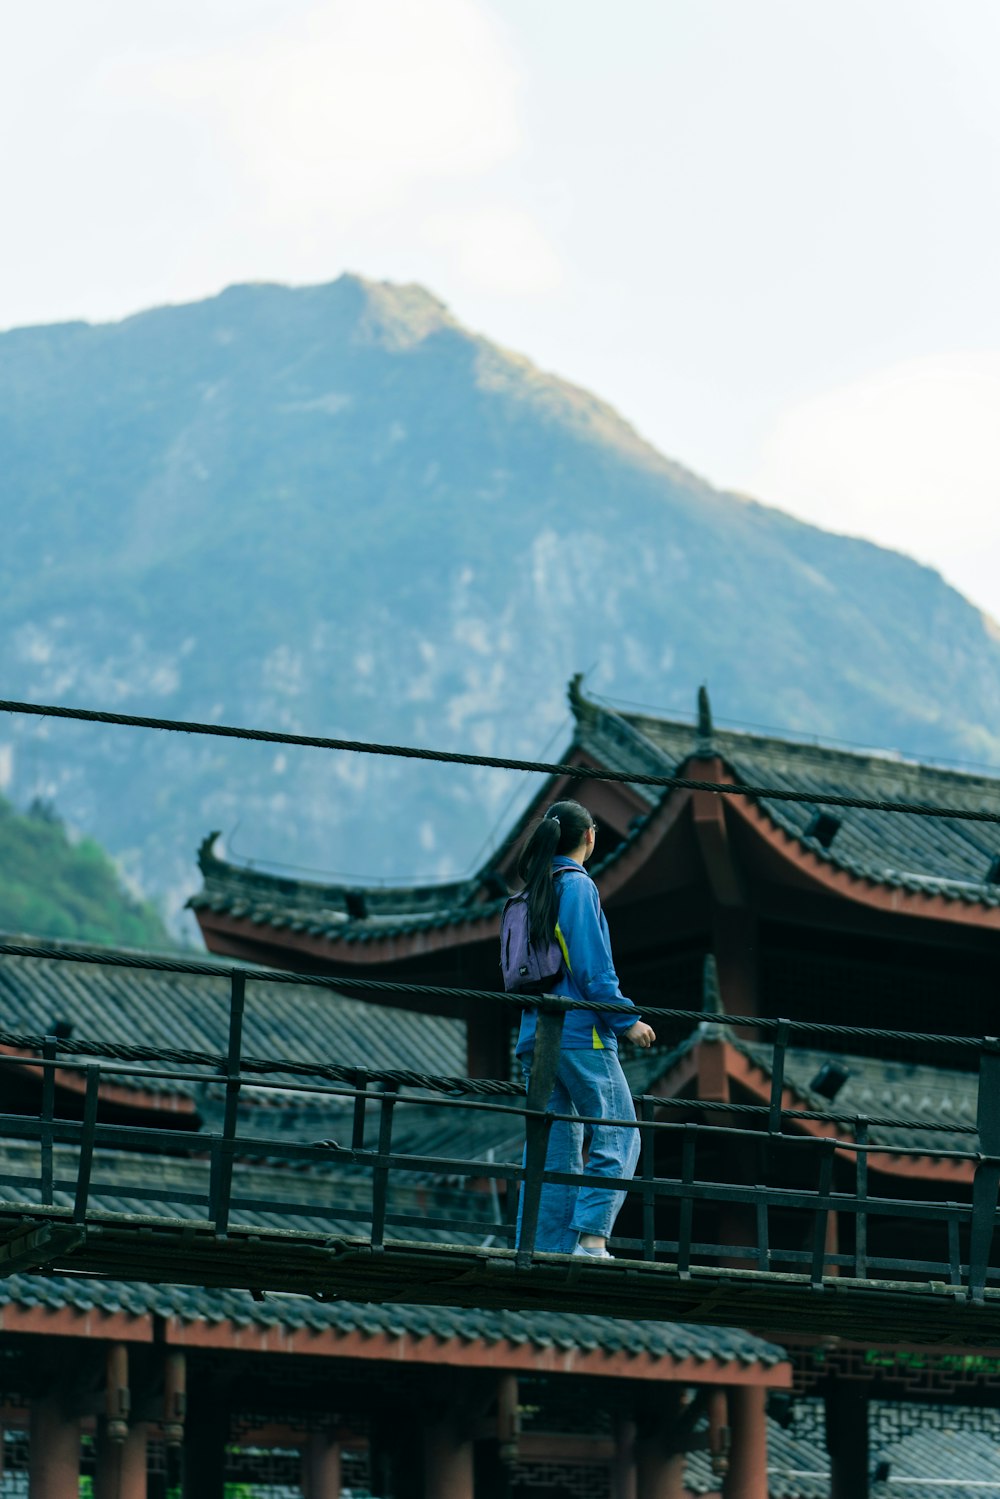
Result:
[[560, 831]]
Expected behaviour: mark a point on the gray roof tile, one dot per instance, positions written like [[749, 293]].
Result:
[[935, 1096], [538, 1330], [931, 854], [942, 1458], [188, 1011], [922, 854]]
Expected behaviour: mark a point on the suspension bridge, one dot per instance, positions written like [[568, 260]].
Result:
[[359, 1216]]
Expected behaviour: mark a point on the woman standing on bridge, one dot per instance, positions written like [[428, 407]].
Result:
[[563, 903]]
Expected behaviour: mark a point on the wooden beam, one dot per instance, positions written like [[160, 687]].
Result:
[[711, 830], [462, 1354], [789, 861], [747, 1074]]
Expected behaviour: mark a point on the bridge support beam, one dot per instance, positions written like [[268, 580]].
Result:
[[321, 1467], [747, 1476], [54, 1457], [847, 1439]]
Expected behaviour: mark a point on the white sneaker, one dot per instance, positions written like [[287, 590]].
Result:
[[593, 1253]]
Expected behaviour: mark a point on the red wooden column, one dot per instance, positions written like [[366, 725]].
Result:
[[121, 1465], [734, 942], [133, 1463], [448, 1460], [659, 1474], [623, 1474], [54, 1455], [659, 1468], [734, 925], [321, 1475], [747, 1476], [121, 1450]]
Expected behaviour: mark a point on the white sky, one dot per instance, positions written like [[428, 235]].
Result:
[[766, 230]]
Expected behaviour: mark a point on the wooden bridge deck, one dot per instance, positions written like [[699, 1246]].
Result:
[[159, 1250], [233, 1208]]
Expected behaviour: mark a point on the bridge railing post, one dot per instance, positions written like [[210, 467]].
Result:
[[646, 1116], [761, 1208], [380, 1173], [87, 1142], [766, 1155], [827, 1149], [861, 1194], [777, 1076], [686, 1219], [49, 1050], [987, 1175], [221, 1184], [538, 1124], [361, 1080]]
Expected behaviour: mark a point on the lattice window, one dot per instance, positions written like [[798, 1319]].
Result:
[[894, 1421], [917, 1372], [559, 1481], [560, 1410], [14, 1480], [891, 1422], [156, 1455], [355, 1472], [277, 1468]]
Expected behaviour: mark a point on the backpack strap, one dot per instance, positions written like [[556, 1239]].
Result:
[[565, 869]]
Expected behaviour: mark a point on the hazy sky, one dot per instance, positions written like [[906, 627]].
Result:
[[766, 230]]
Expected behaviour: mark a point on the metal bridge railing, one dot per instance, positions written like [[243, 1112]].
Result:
[[67, 1167]]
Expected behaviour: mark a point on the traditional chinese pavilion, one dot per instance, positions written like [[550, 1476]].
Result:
[[742, 906]]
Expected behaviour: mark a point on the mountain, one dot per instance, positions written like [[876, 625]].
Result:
[[54, 886], [335, 510]]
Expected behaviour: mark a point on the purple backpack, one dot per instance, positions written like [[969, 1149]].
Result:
[[527, 969]]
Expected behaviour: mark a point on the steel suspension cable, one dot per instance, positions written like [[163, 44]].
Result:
[[348, 986], [497, 762]]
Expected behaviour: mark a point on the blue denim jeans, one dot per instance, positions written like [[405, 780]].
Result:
[[591, 1083]]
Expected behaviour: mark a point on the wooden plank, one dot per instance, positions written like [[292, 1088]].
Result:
[[451, 1275]]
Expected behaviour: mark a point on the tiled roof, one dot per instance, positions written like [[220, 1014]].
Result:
[[875, 1087], [337, 913], [188, 1011], [421, 1128], [538, 1329], [315, 1198], [942, 1458], [936, 856], [931, 855]]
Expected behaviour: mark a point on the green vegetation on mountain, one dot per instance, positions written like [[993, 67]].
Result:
[[333, 509], [51, 886]]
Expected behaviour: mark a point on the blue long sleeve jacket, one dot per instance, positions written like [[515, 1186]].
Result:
[[591, 971]]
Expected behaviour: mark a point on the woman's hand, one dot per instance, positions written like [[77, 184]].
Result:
[[640, 1034]]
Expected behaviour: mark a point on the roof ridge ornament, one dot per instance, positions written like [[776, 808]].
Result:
[[581, 708], [711, 993], [711, 1028], [208, 859], [705, 727]]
